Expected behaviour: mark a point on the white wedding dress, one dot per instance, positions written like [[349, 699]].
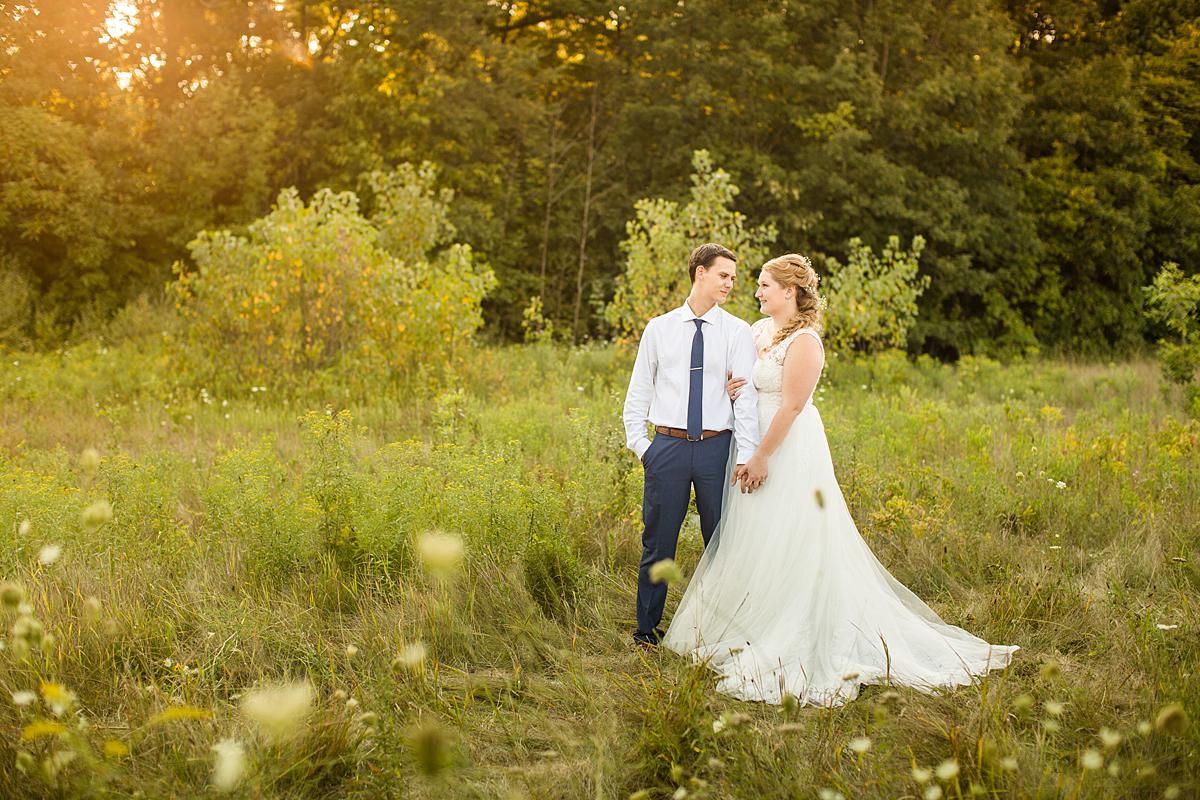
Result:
[[788, 598]]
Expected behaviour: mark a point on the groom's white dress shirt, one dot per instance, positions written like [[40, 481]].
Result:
[[658, 389]]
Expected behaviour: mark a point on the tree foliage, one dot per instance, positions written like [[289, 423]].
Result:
[[1046, 152], [323, 286], [663, 234], [872, 300], [1173, 300]]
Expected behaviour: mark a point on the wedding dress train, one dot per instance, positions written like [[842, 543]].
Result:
[[789, 599]]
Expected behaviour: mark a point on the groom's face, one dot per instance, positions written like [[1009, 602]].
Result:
[[716, 282]]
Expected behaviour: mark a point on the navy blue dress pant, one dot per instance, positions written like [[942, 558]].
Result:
[[673, 467]]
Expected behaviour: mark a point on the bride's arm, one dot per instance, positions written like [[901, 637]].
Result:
[[801, 369]]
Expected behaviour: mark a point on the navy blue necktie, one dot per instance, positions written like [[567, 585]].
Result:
[[695, 418]]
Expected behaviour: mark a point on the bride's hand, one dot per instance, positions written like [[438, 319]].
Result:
[[756, 473], [733, 386], [751, 475]]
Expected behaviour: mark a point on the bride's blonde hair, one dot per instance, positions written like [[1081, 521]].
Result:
[[797, 271]]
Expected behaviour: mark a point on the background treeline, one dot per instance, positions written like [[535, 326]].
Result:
[[1046, 152]]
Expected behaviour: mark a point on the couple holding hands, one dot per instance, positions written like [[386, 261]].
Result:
[[787, 598]]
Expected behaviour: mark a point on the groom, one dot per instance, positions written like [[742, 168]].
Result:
[[678, 386]]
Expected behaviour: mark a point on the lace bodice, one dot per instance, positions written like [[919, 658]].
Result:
[[768, 367]]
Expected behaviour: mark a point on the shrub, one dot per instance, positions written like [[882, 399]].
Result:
[[1174, 300], [534, 325], [320, 286], [251, 507], [332, 480], [663, 234], [873, 299], [147, 319]]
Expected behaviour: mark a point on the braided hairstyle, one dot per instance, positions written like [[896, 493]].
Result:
[[796, 270]]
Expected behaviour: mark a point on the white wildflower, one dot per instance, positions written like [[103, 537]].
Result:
[[947, 770], [412, 656], [1109, 738], [442, 553], [860, 744], [278, 711], [97, 514], [229, 765], [49, 554]]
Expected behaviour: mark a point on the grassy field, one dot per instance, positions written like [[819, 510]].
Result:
[[245, 597]]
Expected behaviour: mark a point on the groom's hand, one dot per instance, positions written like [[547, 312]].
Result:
[[753, 474]]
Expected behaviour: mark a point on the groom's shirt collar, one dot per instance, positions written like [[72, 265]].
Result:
[[685, 313]]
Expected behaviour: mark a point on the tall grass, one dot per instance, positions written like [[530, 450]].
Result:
[[262, 541]]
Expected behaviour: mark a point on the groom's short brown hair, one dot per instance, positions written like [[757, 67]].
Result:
[[705, 255]]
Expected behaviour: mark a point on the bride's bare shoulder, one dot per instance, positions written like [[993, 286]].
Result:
[[807, 346]]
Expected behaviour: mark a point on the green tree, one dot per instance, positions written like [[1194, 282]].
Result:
[[1173, 300], [322, 286], [872, 299], [1090, 166], [1164, 41], [663, 234], [58, 224]]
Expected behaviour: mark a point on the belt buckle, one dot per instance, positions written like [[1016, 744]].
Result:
[[690, 439]]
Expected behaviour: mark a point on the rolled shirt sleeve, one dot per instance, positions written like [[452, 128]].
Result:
[[745, 409], [638, 397]]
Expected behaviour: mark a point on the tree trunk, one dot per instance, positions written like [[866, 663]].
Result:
[[587, 209], [549, 205]]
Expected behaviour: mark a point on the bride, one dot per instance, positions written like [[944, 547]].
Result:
[[787, 598]]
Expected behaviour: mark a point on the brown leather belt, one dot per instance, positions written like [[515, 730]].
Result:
[[681, 433]]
